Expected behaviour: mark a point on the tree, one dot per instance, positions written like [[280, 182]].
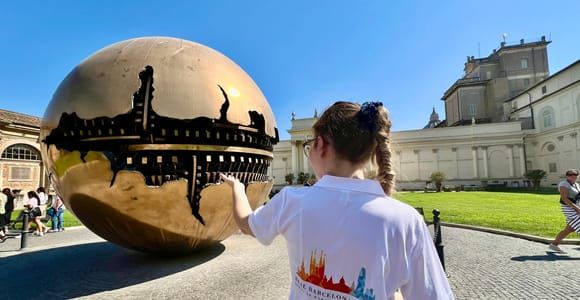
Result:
[[536, 177], [289, 178], [437, 178]]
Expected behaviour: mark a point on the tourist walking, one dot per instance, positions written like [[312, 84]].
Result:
[[56, 212], [346, 236], [9, 207], [42, 195], [3, 200], [33, 206], [569, 194]]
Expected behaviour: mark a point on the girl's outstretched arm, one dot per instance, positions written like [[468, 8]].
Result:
[[242, 209]]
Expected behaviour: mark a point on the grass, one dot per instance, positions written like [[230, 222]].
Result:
[[536, 213], [523, 212], [69, 220]]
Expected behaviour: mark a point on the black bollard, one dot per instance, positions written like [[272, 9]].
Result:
[[24, 234], [437, 239]]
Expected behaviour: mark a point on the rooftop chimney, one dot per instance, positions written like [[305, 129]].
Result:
[[543, 38]]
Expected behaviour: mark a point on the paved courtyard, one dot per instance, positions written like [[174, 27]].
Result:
[[76, 263]]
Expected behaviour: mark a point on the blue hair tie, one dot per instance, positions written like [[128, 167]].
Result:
[[367, 116]]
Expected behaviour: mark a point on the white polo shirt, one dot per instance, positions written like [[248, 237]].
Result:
[[347, 240]]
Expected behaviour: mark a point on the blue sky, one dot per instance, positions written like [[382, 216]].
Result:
[[304, 55]]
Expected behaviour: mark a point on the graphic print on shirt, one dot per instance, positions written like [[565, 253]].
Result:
[[315, 283]]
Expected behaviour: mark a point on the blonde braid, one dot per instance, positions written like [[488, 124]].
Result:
[[385, 175]]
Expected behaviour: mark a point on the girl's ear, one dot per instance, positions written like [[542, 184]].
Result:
[[321, 146]]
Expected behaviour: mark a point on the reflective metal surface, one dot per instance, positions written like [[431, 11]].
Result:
[[145, 218], [186, 78], [136, 136]]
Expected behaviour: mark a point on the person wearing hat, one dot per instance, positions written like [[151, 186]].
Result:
[[569, 196]]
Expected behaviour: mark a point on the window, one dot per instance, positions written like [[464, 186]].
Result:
[[21, 152], [548, 118], [20, 173], [552, 168], [524, 63], [544, 89], [472, 109], [526, 82]]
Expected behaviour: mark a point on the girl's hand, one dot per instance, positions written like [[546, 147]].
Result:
[[230, 180]]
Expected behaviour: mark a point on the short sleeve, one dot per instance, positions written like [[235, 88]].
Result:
[[562, 184], [264, 221], [427, 279]]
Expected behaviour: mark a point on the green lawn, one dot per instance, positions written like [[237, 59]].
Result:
[[524, 212]]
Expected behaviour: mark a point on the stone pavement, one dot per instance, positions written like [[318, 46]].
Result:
[[76, 263]]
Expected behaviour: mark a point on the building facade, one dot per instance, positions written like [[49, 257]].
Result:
[[489, 81], [21, 167], [529, 126]]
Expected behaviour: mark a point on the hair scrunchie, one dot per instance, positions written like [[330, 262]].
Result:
[[367, 117]]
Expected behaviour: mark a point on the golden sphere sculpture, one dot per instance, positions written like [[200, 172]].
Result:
[[136, 135]]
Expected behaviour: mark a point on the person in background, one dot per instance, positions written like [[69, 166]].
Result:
[[57, 212], [33, 206], [3, 200], [569, 194], [346, 226], [42, 195], [43, 201], [9, 207]]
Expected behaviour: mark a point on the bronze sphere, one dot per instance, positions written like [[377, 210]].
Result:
[[136, 135]]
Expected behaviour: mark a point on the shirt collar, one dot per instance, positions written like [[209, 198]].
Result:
[[350, 184]]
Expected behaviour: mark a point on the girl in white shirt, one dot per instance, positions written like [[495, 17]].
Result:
[[347, 238], [33, 206]]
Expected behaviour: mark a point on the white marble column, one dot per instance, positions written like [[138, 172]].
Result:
[[294, 146], [510, 151], [304, 161], [485, 166], [400, 157], [522, 159], [474, 157], [574, 136], [455, 162], [436, 159], [417, 158]]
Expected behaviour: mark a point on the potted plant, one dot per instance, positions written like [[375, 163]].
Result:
[[536, 177], [437, 178], [289, 178]]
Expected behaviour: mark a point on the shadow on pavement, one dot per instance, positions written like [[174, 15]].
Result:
[[550, 256], [86, 269]]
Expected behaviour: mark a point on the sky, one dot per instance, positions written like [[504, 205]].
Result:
[[303, 54]]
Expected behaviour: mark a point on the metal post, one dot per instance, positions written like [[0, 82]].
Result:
[[437, 239], [24, 234]]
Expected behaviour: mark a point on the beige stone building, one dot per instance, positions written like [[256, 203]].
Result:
[[21, 167], [523, 119]]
